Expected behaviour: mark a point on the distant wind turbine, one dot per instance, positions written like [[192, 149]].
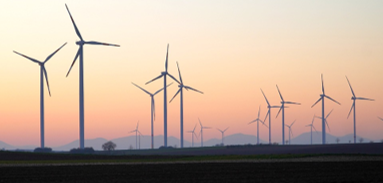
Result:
[[202, 127], [42, 73], [80, 53], [311, 127], [290, 131], [322, 96], [354, 98], [258, 120], [153, 113], [325, 119], [283, 102], [193, 134], [268, 115], [136, 130], [223, 133], [182, 86], [164, 74]]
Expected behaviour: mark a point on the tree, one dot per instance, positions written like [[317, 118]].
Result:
[[337, 140], [109, 146], [361, 140]]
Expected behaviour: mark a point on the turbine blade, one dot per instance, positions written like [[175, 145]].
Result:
[[296, 103], [51, 55], [74, 24], [268, 113], [279, 111], [29, 58], [314, 128], [332, 99], [175, 94], [141, 89], [352, 106], [280, 93], [352, 91], [252, 122], [158, 77], [161, 89], [179, 73], [74, 61], [380, 118], [292, 123], [362, 98], [321, 76], [259, 110], [137, 125], [268, 104], [100, 43], [226, 129], [173, 78], [166, 61], [312, 122], [194, 127], [316, 102], [327, 125], [329, 113], [46, 79], [200, 122], [188, 87]]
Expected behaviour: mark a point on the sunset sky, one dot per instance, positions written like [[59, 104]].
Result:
[[227, 49]]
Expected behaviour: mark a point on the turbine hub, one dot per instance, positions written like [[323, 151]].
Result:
[[353, 98], [80, 42], [163, 72]]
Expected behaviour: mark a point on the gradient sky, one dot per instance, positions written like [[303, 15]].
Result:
[[227, 49]]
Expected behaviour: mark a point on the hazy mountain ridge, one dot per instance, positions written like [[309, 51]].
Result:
[[129, 142]]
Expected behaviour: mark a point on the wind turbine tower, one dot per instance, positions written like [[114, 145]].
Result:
[[322, 96], [153, 113], [193, 133], [43, 73], [223, 133], [325, 119], [269, 114], [354, 98], [202, 127], [283, 102], [182, 86], [164, 74], [80, 53], [290, 131], [311, 127], [257, 120], [136, 130]]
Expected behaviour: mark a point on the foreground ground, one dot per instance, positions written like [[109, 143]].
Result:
[[336, 164]]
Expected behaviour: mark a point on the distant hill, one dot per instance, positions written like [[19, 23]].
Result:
[[4, 145], [304, 138]]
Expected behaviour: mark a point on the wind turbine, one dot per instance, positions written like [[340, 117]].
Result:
[[311, 127], [182, 86], [354, 98], [325, 119], [163, 74], [202, 127], [223, 133], [283, 102], [43, 73], [136, 130], [290, 131], [153, 114], [257, 120], [322, 96], [269, 114], [80, 53], [193, 133]]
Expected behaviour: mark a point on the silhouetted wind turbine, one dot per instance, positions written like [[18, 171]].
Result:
[[223, 133], [80, 53], [182, 86], [311, 127], [257, 120], [325, 119], [322, 96], [354, 98], [163, 74], [193, 133], [283, 102], [269, 114], [136, 130], [202, 127], [42, 73], [290, 131], [153, 113]]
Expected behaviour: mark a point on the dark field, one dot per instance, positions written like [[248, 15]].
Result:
[[328, 163], [201, 172]]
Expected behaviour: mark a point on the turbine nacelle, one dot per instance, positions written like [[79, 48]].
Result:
[[80, 42]]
